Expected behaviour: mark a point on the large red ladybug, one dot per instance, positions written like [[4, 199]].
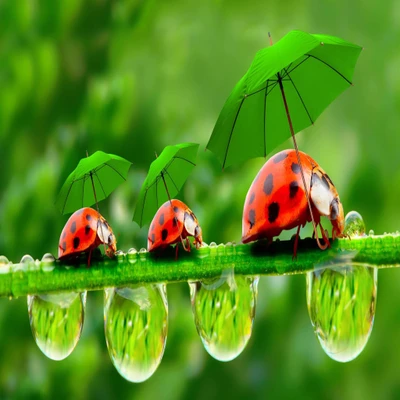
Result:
[[84, 231], [276, 199], [174, 222]]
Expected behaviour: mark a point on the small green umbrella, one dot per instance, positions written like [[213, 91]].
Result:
[[167, 174], [286, 88], [94, 178]]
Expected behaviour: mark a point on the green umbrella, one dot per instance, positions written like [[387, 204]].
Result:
[[286, 88], [93, 179], [167, 174]]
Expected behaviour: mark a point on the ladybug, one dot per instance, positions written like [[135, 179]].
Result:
[[84, 231], [173, 223], [277, 201]]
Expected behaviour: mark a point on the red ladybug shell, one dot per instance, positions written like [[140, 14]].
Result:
[[170, 224], [276, 199], [83, 231]]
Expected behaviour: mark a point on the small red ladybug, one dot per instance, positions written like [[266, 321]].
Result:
[[276, 199], [173, 223], [84, 231]]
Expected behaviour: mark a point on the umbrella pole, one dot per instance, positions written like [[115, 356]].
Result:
[[97, 206], [321, 246], [170, 201]]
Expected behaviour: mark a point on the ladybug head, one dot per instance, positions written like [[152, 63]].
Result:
[[106, 236], [112, 245], [337, 218]]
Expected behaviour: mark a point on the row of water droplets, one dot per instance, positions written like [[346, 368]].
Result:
[[341, 300]]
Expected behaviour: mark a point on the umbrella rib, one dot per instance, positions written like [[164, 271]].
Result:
[[115, 170], [185, 159], [301, 99], [298, 65], [233, 127], [66, 197], [157, 195], [265, 119], [144, 202], [330, 66], [83, 191], [95, 174], [172, 180]]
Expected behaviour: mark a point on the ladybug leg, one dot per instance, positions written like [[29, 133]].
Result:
[[325, 235], [326, 240], [90, 254], [176, 251], [296, 242], [183, 245], [188, 244]]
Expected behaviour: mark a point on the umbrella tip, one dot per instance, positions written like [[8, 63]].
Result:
[[155, 153], [270, 38], [87, 154]]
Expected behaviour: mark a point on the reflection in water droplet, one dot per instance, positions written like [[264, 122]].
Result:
[[213, 245], [371, 232], [224, 310], [56, 322], [136, 325], [354, 224], [26, 259], [341, 303]]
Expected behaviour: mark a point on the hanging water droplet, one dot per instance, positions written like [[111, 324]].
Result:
[[56, 322], [27, 259], [48, 258], [136, 324], [224, 310], [354, 224], [341, 303]]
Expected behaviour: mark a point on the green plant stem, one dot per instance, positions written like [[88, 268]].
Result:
[[256, 259]]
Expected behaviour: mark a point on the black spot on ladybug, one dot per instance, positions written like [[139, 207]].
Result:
[[64, 235], [73, 227], [295, 168], [273, 212], [64, 246], [88, 217], [268, 184], [325, 182], [279, 157], [161, 220], [252, 217], [87, 229], [152, 227], [153, 238], [175, 221], [252, 197], [176, 209], [293, 188], [76, 242], [164, 234]]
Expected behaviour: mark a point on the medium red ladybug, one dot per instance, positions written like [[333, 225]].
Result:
[[84, 231], [173, 223], [276, 199]]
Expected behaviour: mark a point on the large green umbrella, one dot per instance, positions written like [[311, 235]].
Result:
[[167, 174], [286, 88], [94, 178]]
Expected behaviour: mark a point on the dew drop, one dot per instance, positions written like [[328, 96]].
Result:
[[119, 254], [4, 260], [56, 321], [371, 232], [136, 325], [354, 224], [132, 252], [212, 245], [48, 258], [224, 310], [27, 259], [341, 303]]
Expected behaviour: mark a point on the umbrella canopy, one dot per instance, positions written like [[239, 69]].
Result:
[[301, 74], [167, 174], [94, 178]]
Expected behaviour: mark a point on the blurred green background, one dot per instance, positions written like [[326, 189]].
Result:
[[129, 77]]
